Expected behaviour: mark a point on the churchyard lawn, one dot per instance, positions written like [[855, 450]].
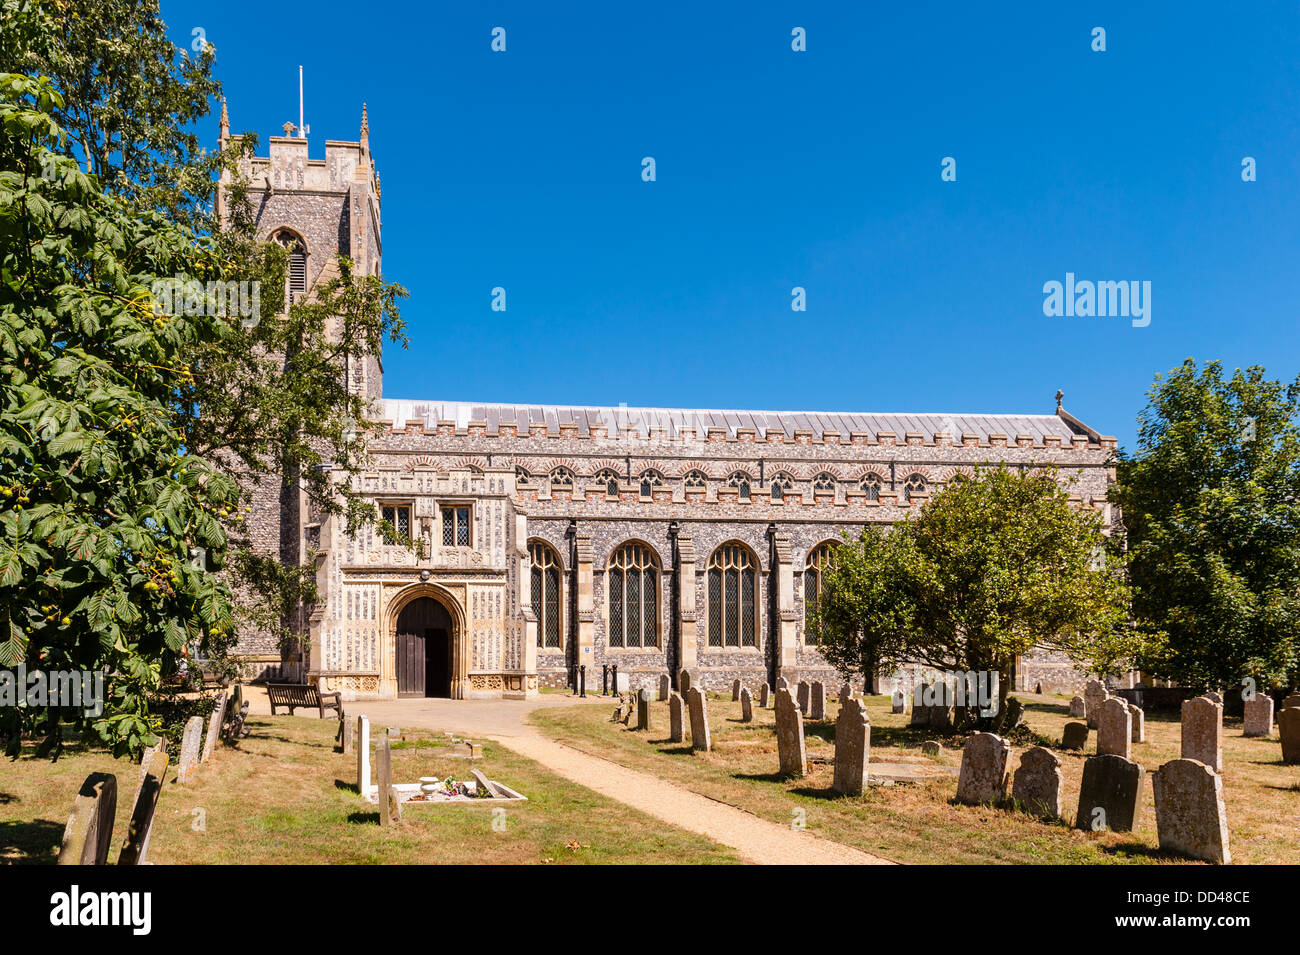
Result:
[[919, 823], [286, 796]]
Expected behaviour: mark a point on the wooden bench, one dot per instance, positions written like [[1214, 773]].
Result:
[[293, 695]]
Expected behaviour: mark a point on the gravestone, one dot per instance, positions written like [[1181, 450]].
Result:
[[782, 683], [1288, 727], [1038, 782], [629, 706], [1078, 707], [158, 747], [643, 710], [190, 744], [1292, 700], [363, 755], [920, 712], [765, 695], [983, 777], [1203, 732], [852, 748], [675, 721], [1213, 697], [846, 694], [89, 831], [484, 785], [789, 735], [665, 687], [384, 774], [1110, 794], [135, 847], [1139, 723], [349, 736], [1094, 694], [898, 703], [746, 705], [699, 720], [1114, 729], [1075, 736], [1190, 817], [394, 803], [214, 725], [805, 696], [817, 701], [1259, 716], [735, 691], [684, 682], [932, 748]]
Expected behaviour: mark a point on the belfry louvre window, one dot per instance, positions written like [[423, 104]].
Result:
[[455, 525], [633, 598], [399, 516], [546, 593], [732, 607], [818, 559], [297, 264]]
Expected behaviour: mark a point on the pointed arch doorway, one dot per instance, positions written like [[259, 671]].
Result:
[[423, 658]]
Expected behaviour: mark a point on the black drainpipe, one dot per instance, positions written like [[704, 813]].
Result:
[[674, 605], [572, 653], [773, 609]]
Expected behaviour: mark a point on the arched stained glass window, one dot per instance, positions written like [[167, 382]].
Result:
[[633, 597], [561, 477], [914, 485], [824, 482], [740, 481], [695, 478], [871, 485], [546, 593], [650, 480], [733, 609], [781, 483], [610, 480], [818, 559]]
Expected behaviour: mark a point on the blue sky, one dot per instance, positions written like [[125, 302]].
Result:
[[818, 169]]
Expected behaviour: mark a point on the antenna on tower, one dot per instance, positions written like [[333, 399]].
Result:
[[302, 129]]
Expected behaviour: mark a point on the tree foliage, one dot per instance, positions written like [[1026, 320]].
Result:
[[1211, 503]]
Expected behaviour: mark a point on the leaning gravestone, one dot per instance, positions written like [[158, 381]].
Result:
[[363, 755], [1259, 716], [1078, 707], [214, 725], [675, 721], [684, 682], [805, 696], [983, 775], [1288, 727], [735, 691], [789, 735], [1114, 729], [1075, 736], [135, 847], [1038, 783], [1190, 817], [852, 748], [764, 695], [817, 701], [1139, 723], [746, 705], [1203, 732], [1110, 794], [643, 710], [1094, 694], [384, 772], [665, 687], [89, 831], [190, 744], [699, 721]]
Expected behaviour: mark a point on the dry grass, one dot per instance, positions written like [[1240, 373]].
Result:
[[919, 823], [286, 797]]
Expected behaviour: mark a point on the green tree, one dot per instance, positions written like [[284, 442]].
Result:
[[993, 567], [1211, 503], [100, 505]]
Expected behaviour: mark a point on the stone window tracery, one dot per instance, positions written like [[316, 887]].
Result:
[[740, 481], [818, 560], [633, 597], [915, 484], [546, 593], [781, 484], [871, 485], [561, 477], [824, 482], [695, 478], [650, 480], [733, 610], [609, 480]]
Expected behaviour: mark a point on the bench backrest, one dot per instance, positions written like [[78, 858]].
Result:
[[285, 693]]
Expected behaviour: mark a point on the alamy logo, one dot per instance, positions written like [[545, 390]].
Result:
[[83, 689], [73, 908], [178, 296], [978, 688], [1127, 298]]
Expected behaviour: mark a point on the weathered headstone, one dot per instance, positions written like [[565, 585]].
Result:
[[852, 748], [1213, 697], [735, 691], [1114, 729], [1075, 735], [1190, 816], [484, 785], [746, 705], [782, 683], [89, 831], [214, 725], [1203, 732], [920, 712], [983, 776], [1094, 694], [675, 722], [1292, 700], [363, 755], [135, 847], [805, 696], [789, 735], [384, 773], [1038, 782], [349, 736], [684, 682], [1078, 707], [1259, 716], [765, 695], [846, 694], [643, 710], [1110, 794], [932, 748], [394, 803], [665, 687], [1288, 727], [190, 744], [1139, 723], [817, 701], [898, 704], [700, 738]]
